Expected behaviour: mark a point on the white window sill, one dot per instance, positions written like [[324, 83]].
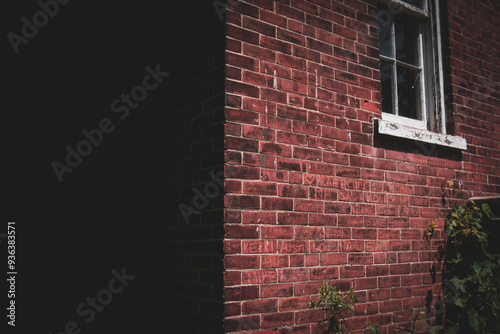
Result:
[[419, 135]]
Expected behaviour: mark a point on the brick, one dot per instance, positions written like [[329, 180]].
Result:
[[260, 188], [293, 246], [258, 246], [352, 271], [396, 269], [332, 259], [338, 233], [293, 275], [377, 270], [259, 306], [276, 290], [389, 281], [274, 261], [232, 278], [321, 219], [242, 61], [277, 204], [292, 218], [277, 319], [241, 201], [376, 246], [337, 207], [285, 190], [258, 217], [309, 232], [276, 232], [274, 175], [323, 246], [241, 292], [241, 323], [232, 246], [272, 18], [297, 260], [241, 232], [242, 262], [397, 245], [273, 95], [293, 303], [348, 172], [379, 294], [259, 26], [308, 205], [242, 116], [232, 309], [364, 233], [351, 246], [308, 316], [290, 12], [283, 84], [365, 283], [291, 61], [307, 128], [241, 88], [259, 277], [323, 194], [360, 258], [391, 305], [276, 149], [291, 138], [242, 34]]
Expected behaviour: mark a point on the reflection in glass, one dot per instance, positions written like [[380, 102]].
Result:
[[385, 74], [384, 30], [406, 38], [408, 89]]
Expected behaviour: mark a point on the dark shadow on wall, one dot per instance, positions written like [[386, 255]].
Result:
[[118, 209], [181, 222]]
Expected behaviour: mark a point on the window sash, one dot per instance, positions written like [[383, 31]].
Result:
[[421, 121], [431, 63]]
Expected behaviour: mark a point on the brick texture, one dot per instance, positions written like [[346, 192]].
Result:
[[311, 194]]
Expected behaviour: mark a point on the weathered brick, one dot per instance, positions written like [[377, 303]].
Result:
[[335, 202]]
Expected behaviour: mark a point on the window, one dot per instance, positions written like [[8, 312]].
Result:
[[411, 71]]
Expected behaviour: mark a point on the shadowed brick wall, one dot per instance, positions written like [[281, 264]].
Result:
[[312, 193], [183, 253]]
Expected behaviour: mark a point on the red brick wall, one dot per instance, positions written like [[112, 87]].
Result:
[[474, 89], [312, 195]]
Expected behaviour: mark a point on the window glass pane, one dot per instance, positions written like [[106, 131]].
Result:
[[384, 18], [386, 74], [408, 89], [406, 38], [416, 3]]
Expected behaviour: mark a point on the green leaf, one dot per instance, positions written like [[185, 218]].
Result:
[[487, 210], [473, 320]]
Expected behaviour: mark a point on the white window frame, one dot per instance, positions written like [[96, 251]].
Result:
[[431, 128]]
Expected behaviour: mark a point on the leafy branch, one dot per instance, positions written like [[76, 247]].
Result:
[[334, 304]]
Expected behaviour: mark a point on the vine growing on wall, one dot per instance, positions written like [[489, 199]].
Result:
[[473, 305]]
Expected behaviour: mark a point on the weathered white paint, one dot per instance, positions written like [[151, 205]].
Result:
[[403, 131]]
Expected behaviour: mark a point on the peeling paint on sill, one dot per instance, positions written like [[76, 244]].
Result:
[[403, 131]]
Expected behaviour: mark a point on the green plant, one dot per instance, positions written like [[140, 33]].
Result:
[[334, 303], [429, 231], [417, 318], [375, 328], [473, 303]]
